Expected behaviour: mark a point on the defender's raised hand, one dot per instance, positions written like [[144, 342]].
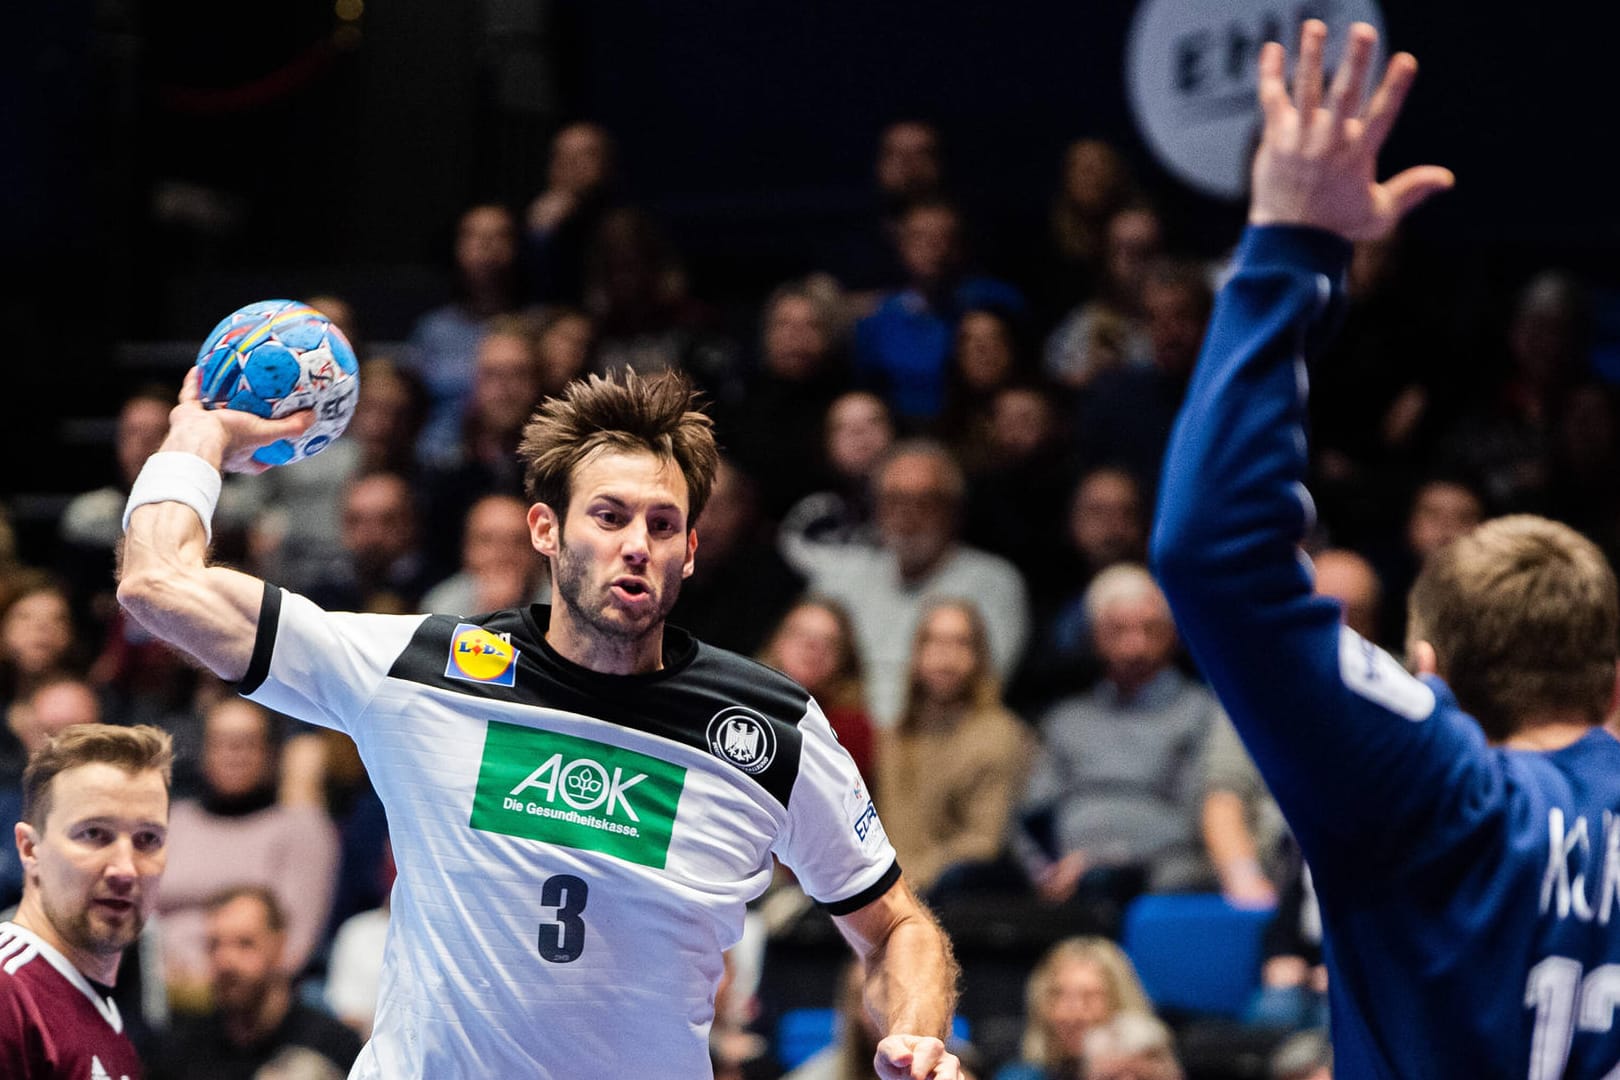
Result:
[[1318, 155]]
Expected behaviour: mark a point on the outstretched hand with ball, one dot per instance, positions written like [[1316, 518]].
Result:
[[228, 438], [274, 359]]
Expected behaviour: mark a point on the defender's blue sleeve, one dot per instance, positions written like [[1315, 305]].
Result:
[[1358, 756]]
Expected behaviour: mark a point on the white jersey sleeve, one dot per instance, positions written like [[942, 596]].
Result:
[[834, 841], [320, 666]]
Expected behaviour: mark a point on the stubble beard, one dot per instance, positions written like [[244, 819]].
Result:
[[570, 585], [82, 930]]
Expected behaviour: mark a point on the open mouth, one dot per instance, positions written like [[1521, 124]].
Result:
[[114, 906], [633, 588]]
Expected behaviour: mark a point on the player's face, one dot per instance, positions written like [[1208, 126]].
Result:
[[96, 862], [624, 548], [242, 953], [1080, 1001], [946, 656]]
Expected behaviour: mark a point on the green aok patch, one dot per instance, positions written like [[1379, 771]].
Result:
[[541, 785]]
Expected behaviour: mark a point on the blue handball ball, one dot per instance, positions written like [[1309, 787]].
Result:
[[274, 358]]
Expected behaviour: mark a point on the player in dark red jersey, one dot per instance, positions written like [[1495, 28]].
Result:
[[93, 842]]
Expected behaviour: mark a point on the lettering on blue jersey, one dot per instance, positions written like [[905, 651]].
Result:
[[1375, 675], [1564, 888]]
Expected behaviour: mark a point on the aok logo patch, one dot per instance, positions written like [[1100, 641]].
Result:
[[542, 785], [476, 655]]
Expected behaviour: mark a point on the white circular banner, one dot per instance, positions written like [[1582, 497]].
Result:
[[1190, 72]]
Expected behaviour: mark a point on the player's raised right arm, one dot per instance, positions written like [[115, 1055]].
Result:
[[165, 582]]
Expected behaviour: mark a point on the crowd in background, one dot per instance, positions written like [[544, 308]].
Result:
[[933, 513]]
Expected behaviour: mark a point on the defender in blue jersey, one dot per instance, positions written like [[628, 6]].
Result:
[[1462, 825]]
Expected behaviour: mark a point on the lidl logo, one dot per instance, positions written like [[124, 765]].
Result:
[[476, 655], [576, 792]]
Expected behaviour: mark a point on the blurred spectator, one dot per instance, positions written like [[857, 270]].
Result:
[[1019, 488], [484, 461], [1373, 399], [920, 490], [57, 701], [37, 636], [1132, 1046], [953, 767], [1095, 184], [1107, 524], [1442, 508], [444, 343], [354, 970], [1125, 413], [775, 432], [1293, 993], [908, 166], [859, 432], [1585, 488], [1113, 804], [564, 341], [741, 586], [1133, 239], [814, 645], [382, 568], [647, 320], [902, 348], [1079, 984], [340, 313], [987, 357], [256, 1013], [237, 834], [1507, 439], [1307, 1055], [388, 418], [499, 568], [54, 701], [93, 523], [560, 220], [298, 1063]]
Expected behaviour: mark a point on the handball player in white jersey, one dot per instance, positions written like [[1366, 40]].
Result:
[[582, 799]]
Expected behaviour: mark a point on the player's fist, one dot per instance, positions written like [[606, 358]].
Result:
[[915, 1057]]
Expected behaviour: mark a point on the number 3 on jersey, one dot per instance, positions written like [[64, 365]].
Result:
[[562, 940]]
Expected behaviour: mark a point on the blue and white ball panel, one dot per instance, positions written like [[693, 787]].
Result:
[[275, 357]]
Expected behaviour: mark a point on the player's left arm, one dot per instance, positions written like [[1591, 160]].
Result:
[[911, 978], [165, 582]]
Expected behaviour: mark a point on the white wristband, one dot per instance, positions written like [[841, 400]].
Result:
[[176, 476]]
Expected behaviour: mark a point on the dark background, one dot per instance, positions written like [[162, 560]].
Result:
[[162, 162]]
